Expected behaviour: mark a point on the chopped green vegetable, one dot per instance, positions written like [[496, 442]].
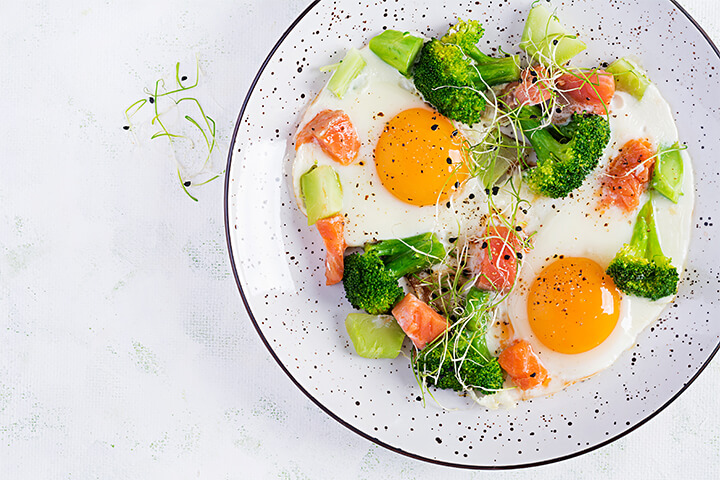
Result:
[[397, 49], [374, 336], [641, 268], [629, 77], [668, 174], [495, 158], [477, 309], [347, 70], [322, 193], [546, 40]]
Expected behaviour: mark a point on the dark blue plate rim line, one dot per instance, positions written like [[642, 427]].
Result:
[[317, 402]]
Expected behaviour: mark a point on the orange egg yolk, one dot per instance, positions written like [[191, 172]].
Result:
[[573, 306], [420, 157]]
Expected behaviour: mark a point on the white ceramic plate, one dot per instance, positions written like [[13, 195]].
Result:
[[278, 259]]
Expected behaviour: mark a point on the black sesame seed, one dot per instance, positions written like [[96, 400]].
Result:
[[152, 100], [452, 239], [449, 161], [495, 190], [471, 196], [187, 184], [506, 257], [518, 228], [434, 127], [484, 245], [519, 255], [126, 127], [183, 78]]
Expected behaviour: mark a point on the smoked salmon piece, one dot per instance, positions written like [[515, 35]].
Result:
[[588, 91], [522, 364], [494, 258], [335, 133], [332, 231], [419, 321], [533, 86], [628, 175]]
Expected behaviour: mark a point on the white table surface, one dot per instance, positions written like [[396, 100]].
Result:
[[125, 350]]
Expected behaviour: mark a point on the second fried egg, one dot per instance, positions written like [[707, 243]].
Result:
[[563, 303]]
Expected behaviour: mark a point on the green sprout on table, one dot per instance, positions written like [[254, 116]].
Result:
[[204, 123]]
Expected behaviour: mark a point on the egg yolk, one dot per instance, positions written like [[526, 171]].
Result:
[[573, 306], [420, 157]]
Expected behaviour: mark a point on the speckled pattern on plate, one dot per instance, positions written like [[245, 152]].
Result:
[[278, 259]]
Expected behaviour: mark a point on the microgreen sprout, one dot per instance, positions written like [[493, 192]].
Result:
[[164, 100], [498, 160]]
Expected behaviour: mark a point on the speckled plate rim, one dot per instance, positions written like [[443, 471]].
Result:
[[316, 401]]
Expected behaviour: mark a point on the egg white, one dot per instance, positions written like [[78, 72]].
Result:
[[576, 227], [371, 212]]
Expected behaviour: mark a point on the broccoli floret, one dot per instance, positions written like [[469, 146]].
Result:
[[452, 72], [491, 377], [565, 154], [371, 279], [466, 35], [640, 268], [458, 363], [460, 360], [368, 285]]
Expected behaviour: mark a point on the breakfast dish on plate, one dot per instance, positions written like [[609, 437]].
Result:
[[519, 218]]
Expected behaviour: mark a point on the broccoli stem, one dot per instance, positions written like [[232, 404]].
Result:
[[494, 71], [650, 242], [542, 141], [476, 309], [478, 314], [639, 240], [645, 242], [408, 255], [474, 52], [413, 260], [385, 248]]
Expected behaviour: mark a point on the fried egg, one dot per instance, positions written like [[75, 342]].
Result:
[[411, 174], [563, 303]]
